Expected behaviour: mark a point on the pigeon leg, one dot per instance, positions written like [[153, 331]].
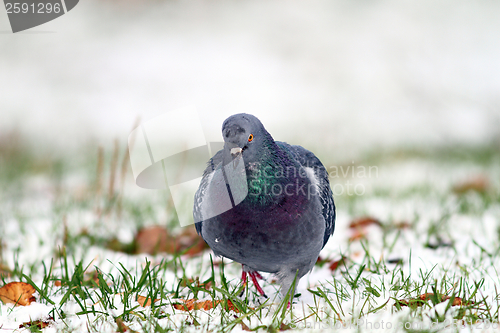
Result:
[[254, 275], [243, 278], [243, 281]]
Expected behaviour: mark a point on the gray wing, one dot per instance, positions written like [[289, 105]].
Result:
[[198, 197], [308, 159]]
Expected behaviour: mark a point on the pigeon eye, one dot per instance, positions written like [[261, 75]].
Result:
[[250, 138]]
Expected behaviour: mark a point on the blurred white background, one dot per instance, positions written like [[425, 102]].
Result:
[[341, 75]]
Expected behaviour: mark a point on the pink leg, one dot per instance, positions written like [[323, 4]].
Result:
[[243, 277], [254, 275]]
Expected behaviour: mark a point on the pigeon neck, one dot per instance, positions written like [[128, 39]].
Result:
[[267, 176]]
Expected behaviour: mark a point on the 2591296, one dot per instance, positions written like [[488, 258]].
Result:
[[35, 8]]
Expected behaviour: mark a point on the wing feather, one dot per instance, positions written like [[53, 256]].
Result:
[[308, 160], [200, 193]]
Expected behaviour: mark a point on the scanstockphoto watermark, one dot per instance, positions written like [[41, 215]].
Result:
[[170, 152], [344, 179], [382, 325], [289, 180]]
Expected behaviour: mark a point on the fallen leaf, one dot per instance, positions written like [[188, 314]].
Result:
[[364, 222], [231, 307], [402, 225], [36, 323], [356, 254], [285, 327], [122, 327], [154, 240], [18, 293], [207, 285], [158, 239], [476, 184], [88, 278], [359, 225], [322, 261], [357, 235], [335, 264], [419, 301], [244, 326], [456, 301], [217, 261], [192, 304], [190, 241], [92, 276], [143, 301]]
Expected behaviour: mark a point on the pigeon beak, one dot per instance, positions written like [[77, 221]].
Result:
[[236, 151], [236, 154]]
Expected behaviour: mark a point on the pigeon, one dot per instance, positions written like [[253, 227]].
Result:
[[281, 211]]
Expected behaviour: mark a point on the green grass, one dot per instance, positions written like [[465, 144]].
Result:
[[90, 273]]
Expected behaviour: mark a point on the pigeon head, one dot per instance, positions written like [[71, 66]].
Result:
[[244, 135]]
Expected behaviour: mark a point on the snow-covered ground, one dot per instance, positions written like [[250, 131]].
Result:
[[431, 235], [388, 84]]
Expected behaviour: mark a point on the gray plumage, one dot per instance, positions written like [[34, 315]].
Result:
[[287, 213]]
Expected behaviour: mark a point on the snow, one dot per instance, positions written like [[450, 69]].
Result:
[[36, 238], [340, 78]]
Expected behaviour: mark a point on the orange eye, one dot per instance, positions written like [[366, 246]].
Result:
[[250, 138]]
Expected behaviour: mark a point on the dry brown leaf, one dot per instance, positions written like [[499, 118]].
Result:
[[89, 276], [364, 222], [402, 225], [320, 260], [197, 283], [192, 304], [154, 240], [37, 323], [357, 235], [477, 184], [18, 293], [143, 301], [356, 254], [230, 306], [94, 276], [335, 264], [420, 300], [244, 326], [359, 225], [457, 301], [285, 327], [158, 239], [122, 327], [206, 285], [190, 240]]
